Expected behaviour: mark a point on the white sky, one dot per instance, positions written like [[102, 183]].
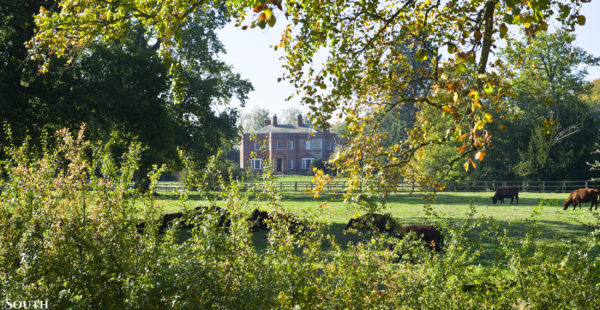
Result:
[[250, 54]]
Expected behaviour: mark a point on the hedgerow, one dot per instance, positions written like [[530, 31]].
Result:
[[69, 234]]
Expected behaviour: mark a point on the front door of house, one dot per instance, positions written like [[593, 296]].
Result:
[[279, 165]]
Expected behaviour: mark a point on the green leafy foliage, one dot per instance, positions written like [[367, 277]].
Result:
[[591, 94], [68, 218], [322, 165], [58, 242], [552, 131], [254, 120], [123, 92], [68, 235], [219, 170], [290, 116], [365, 74]]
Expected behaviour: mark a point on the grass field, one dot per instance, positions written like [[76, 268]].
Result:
[[555, 224]]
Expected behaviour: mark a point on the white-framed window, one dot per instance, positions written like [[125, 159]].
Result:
[[330, 145], [279, 145], [290, 164], [306, 162], [290, 144], [256, 145], [256, 163], [307, 145]]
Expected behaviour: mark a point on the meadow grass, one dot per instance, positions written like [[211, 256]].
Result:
[[555, 225]]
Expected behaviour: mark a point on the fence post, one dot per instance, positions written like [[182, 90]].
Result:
[[563, 187], [486, 186], [586, 184], [543, 186], [524, 188]]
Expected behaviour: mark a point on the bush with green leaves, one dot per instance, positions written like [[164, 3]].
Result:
[[321, 164], [68, 235], [219, 170]]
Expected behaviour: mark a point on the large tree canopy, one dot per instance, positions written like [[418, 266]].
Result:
[[551, 131], [365, 74], [554, 130], [122, 90], [254, 120], [592, 93]]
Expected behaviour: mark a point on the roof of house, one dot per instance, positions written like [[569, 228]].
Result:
[[287, 128]]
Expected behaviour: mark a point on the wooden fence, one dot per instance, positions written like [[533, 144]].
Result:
[[465, 186]]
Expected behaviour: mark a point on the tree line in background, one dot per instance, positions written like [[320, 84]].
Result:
[[255, 119]]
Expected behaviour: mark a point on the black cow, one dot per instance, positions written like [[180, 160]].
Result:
[[373, 221], [258, 220], [224, 215], [168, 218], [262, 220], [165, 221], [431, 236], [506, 192]]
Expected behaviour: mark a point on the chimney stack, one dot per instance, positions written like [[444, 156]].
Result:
[[267, 122], [299, 120], [274, 119]]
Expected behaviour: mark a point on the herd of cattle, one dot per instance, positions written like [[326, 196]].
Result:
[[431, 236], [257, 220], [576, 198]]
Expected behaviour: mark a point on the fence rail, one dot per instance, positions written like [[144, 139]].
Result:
[[465, 186]]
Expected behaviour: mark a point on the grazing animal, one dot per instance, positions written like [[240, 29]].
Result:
[[168, 218], [257, 220], [432, 237], [262, 220], [506, 192], [373, 221], [224, 216], [580, 195]]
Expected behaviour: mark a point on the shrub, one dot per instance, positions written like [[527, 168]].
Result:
[[320, 164], [68, 235], [219, 170]]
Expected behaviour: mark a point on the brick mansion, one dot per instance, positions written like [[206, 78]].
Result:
[[291, 148]]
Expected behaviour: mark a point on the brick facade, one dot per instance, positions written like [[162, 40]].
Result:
[[285, 146]]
